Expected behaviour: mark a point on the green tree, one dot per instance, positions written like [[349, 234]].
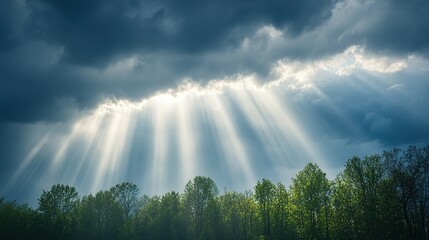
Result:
[[58, 208], [198, 196], [264, 195], [375, 197], [100, 217], [345, 212], [147, 219], [249, 216], [310, 191], [230, 203], [18, 221], [171, 221], [409, 173], [369, 188], [281, 213], [126, 194]]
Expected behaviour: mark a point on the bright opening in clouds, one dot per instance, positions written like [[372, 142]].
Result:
[[156, 92]]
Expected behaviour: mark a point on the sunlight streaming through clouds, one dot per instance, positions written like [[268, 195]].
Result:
[[187, 139], [162, 115], [232, 145], [23, 168], [163, 139]]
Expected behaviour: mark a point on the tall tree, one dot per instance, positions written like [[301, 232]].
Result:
[[249, 219], [281, 213], [409, 172], [171, 220], [126, 194], [148, 218], [18, 221], [310, 196], [100, 217], [231, 218], [368, 177], [345, 223], [264, 195], [198, 194], [58, 207]]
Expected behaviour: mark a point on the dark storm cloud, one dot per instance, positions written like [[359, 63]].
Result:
[[386, 26], [401, 27], [95, 32], [57, 56], [8, 21]]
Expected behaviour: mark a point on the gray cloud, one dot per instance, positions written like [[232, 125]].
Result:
[[400, 27], [362, 108], [59, 52], [95, 32], [75, 54]]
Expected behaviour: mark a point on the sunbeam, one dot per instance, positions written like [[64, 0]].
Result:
[[274, 141], [113, 149], [216, 129], [285, 122], [212, 120], [162, 114], [187, 139], [23, 168], [233, 148]]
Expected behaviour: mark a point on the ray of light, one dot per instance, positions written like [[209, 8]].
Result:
[[278, 113], [273, 143], [79, 129], [97, 146], [29, 158], [112, 150], [162, 108], [232, 144], [88, 140], [186, 139]]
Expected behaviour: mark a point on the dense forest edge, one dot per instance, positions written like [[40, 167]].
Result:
[[381, 196]]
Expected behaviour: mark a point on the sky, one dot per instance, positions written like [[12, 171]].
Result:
[[94, 93]]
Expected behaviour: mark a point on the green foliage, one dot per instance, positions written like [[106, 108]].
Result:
[[100, 217], [366, 176], [171, 217], [232, 221], [375, 197], [264, 195], [310, 202], [409, 174], [281, 213], [126, 195], [17, 221], [200, 205], [58, 210], [148, 219]]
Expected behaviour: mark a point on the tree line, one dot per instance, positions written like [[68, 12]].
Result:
[[382, 196]]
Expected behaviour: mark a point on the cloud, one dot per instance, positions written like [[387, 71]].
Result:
[[96, 32], [359, 95], [398, 27], [84, 52]]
